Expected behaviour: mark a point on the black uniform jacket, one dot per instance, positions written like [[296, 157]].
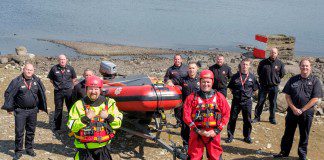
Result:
[[62, 77], [270, 72], [222, 75], [244, 91], [176, 73], [189, 85], [302, 90], [79, 91], [12, 90]]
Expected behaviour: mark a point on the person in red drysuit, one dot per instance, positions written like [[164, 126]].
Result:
[[206, 112]]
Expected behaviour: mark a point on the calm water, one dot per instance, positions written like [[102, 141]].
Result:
[[177, 24]]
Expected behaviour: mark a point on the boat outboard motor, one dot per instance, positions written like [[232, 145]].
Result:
[[108, 70]]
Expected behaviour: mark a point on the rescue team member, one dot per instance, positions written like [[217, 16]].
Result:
[[173, 76], [222, 73], [242, 85], [93, 120], [62, 77], [79, 90], [189, 84], [24, 96], [270, 72], [206, 112], [302, 93]]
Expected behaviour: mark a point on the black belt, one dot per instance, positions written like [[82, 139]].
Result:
[[26, 108]]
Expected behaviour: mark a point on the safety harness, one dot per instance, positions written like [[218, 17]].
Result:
[[207, 115], [97, 131]]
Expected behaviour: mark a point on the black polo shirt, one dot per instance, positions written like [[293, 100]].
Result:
[[270, 72], [79, 91], [175, 74], [222, 75], [27, 94], [62, 77], [189, 85], [240, 91], [302, 90]]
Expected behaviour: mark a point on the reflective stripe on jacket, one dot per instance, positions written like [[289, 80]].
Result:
[[77, 112]]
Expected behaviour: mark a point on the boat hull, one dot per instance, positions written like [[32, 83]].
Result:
[[144, 98]]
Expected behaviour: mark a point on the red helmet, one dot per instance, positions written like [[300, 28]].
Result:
[[94, 81], [207, 74]]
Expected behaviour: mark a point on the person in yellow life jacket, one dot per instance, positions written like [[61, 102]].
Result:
[[92, 121]]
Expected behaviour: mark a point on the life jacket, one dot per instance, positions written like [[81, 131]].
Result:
[[97, 131], [207, 115]]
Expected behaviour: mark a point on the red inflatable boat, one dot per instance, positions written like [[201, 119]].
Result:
[[141, 94]]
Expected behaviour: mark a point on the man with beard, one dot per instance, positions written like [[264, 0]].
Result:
[[92, 121]]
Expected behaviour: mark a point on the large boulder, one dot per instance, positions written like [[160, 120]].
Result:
[[319, 60], [281, 103], [4, 60], [21, 50], [20, 59]]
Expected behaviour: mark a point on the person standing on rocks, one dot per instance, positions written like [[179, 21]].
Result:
[[243, 84], [270, 72], [62, 77], [92, 120], [173, 76], [24, 97], [222, 74], [206, 112], [189, 84], [302, 93], [79, 90]]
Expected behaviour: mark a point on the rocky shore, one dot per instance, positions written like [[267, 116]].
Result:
[[153, 62]]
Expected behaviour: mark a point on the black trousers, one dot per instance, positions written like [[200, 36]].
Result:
[[185, 131], [263, 92], [59, 97], [304, 123], [25, 119], [94, 154], [237, 106], [178, 114]]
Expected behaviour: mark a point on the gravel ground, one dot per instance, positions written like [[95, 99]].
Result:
[[59, 146]]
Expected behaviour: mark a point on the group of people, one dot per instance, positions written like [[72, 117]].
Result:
[[93, 118], [205, 110]]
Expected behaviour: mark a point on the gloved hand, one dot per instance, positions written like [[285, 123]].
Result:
[[214, 132], [203, 133], [110, 118], [90, 113], [103, 114]]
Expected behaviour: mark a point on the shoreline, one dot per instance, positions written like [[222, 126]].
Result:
[[104, 49]]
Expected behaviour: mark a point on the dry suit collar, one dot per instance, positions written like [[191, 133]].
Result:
[[206, 95], [101, 99]]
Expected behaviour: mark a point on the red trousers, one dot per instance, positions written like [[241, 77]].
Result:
[[197, 144]]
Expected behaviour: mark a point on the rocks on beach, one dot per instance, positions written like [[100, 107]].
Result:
[[137, 148], [20, 57], [138, 64]]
